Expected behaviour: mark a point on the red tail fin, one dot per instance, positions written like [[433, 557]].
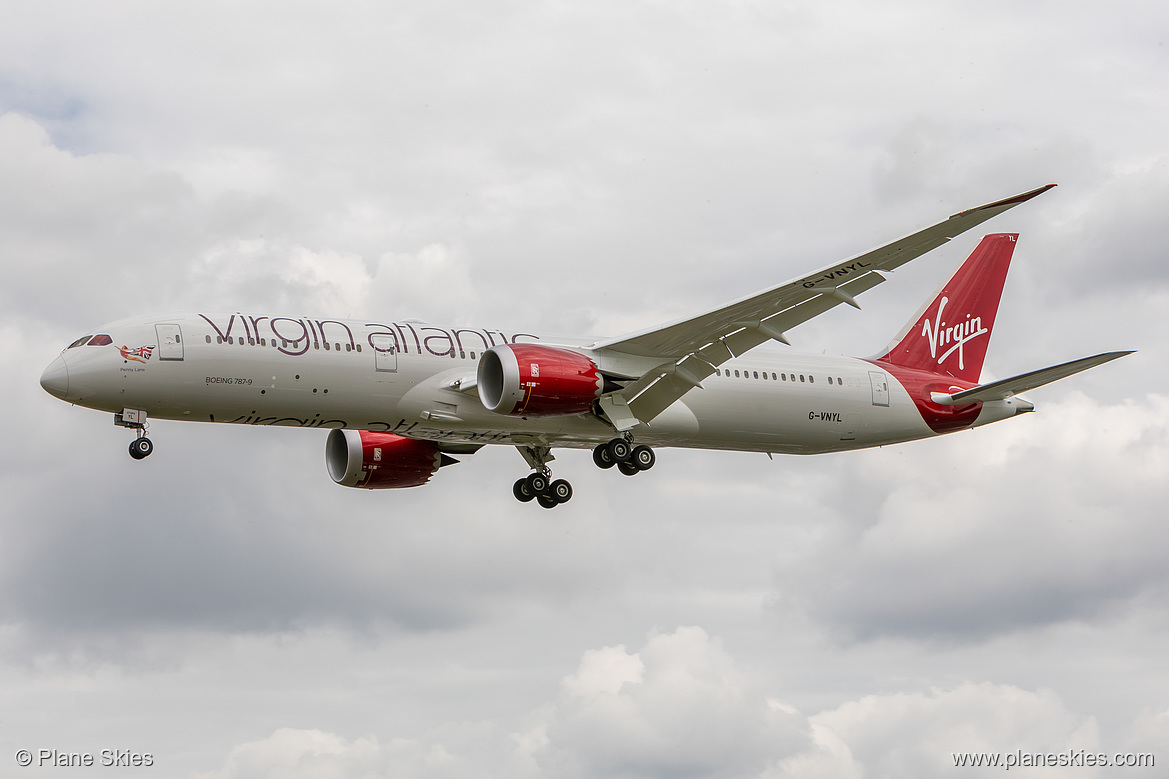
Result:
[[952, 332]]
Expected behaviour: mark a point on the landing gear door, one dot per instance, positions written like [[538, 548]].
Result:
[[880, 388], [385, 350], [170, 342]]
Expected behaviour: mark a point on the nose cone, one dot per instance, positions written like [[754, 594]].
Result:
[[55, 379]]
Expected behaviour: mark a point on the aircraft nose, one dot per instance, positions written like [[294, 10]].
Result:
[[55, 379]]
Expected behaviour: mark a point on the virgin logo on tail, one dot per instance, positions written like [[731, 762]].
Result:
[[943, 334]]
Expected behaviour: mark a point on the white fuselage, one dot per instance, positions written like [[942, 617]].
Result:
[[417, 380]]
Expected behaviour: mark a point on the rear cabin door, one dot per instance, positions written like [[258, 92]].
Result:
[[170, 342], [880, 388]]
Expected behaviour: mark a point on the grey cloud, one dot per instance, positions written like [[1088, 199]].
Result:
[[1055, 522]]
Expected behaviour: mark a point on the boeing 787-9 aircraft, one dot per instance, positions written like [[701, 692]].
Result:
[[401, 397]]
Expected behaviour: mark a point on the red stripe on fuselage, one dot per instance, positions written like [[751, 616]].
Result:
[[919, 384]]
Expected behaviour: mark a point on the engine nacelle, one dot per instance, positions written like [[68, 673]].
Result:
[[380, 461], [531, 380]]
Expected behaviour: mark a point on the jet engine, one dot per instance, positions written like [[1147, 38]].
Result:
[[530, 380], [380, 461]]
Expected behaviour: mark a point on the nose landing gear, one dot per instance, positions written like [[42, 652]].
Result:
[[141, 446]]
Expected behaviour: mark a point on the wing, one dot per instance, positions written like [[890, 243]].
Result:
[[1001, 390], [692, 348]]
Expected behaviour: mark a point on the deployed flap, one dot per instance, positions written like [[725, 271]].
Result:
[[1000, 390], [828, 287]]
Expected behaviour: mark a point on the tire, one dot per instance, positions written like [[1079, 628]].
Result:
[[643, 457], [561, 490], [141, 447], [547, 501], [629, 469], [601, 457], [521, 492], [537, 483], [618, 450]]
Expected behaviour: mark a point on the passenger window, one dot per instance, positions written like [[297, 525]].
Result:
[[756, 374], [218, 339], [472, 355], [773, 377], [840, 381], [462, 355], [208, 339], [348, 347], [263, 342], [736, 374], [765, 375], [359, 347], [231, 340], [811, 379], [801, 377], [337, 347], [326, 346], [783, 376]]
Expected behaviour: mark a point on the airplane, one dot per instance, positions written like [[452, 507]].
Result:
[[402, 398]]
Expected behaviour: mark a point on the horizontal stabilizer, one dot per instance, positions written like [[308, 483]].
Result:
[[1000, 390]]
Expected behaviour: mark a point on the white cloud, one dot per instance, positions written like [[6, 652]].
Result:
[[676, 707]]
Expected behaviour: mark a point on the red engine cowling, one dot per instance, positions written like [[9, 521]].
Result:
[[380, 461], [531, 380]]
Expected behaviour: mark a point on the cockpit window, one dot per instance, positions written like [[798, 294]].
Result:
[[101, 340], [80, 341]]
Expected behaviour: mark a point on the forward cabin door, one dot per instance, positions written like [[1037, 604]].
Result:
[[385, 350], [170, 342]]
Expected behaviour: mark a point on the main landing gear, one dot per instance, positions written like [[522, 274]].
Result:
[[629, 459], [141, 446], [539, 486]]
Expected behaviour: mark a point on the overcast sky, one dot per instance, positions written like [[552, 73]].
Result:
[[584, 168]]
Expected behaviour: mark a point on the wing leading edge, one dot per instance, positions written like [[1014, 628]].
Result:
[[692, 348]]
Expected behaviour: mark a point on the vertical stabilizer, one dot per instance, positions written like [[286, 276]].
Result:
[[951, 333]]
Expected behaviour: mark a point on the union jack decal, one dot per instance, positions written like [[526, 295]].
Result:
[[141, 354]]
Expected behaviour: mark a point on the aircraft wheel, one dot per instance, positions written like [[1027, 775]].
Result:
[[561, 490], [618, 450], [629, 469], [141, 447], [547, 501], [537, 483], [643, 457], [601, 457], [521, 491]]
